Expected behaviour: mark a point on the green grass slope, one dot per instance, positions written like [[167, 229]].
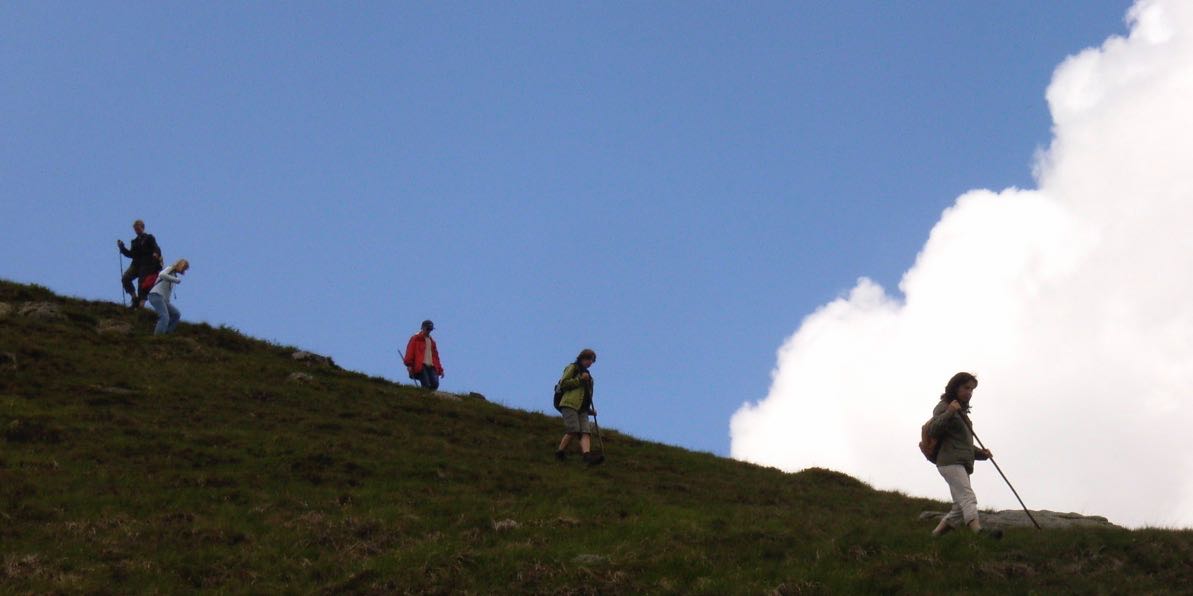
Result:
[[130, 463]]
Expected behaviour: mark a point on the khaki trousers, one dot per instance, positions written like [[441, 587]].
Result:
[[965, 503]]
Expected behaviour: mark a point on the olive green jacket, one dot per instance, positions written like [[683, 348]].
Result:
[[575, 391], [956, 438]]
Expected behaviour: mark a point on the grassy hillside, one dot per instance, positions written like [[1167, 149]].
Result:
[[131, 463]]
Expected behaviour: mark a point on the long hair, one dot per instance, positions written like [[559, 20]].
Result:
[[955, 383], [584, 354]]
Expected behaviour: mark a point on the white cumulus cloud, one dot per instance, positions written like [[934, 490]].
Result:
[[1072, 302]]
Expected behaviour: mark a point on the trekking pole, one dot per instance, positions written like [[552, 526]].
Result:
[[600, 439], [1004, 476], [120, 258]]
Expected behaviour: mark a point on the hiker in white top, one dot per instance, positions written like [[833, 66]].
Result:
[[159, 297]]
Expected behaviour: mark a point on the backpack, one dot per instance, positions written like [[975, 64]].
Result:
[[559, 392], [929, 444]]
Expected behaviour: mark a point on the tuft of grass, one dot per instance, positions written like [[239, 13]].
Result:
[[191, 463]]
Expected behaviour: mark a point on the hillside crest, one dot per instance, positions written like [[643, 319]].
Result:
[[199, 462]]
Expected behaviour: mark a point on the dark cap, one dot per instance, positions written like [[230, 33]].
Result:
[[427, 324]]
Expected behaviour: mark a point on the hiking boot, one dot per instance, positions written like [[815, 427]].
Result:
[[594, 459], [561, 455], [992, 533]]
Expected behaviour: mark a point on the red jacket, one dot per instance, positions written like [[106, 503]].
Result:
[[416, 351]]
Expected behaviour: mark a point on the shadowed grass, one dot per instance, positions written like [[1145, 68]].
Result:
[[130, 463]]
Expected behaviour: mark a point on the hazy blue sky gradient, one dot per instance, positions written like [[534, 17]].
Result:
[[674, 184]]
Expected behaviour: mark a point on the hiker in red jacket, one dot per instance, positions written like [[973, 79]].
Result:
[[422, 358]]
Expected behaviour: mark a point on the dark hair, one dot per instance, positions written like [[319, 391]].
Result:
[[427, 324], [955, 383], [586, 353]]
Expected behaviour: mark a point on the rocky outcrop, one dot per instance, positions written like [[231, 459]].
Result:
[[1016, 518], [114, 326], [46, 311], [313, 359], [301, 377], [446, 396]]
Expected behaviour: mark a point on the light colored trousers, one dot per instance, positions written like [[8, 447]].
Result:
[[167, 314], [965, 503]]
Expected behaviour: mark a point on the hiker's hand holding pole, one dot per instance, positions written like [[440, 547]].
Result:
[[119, 244], [955, 406]]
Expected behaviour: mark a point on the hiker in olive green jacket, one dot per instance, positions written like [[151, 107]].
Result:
[[951, 424], [574, 392]]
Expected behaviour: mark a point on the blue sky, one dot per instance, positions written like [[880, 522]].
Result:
[[676, 185]]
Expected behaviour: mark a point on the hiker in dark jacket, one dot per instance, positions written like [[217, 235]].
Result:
[[422, 357], [951, 424], [575, 405], [147, 260]]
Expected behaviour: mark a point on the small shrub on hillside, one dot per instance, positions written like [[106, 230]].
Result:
[[32, 431]]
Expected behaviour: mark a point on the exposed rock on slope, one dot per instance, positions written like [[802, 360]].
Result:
[[1016, 518]]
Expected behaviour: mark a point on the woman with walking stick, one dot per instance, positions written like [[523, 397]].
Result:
[[950, 422], [574, 401]]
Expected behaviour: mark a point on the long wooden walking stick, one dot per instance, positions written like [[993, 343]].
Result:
[[1004, 476]]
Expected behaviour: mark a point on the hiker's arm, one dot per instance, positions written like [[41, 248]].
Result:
[[982, 454], [569, 381], [154, 249], [940, 421], [170, 277], [124, 251]]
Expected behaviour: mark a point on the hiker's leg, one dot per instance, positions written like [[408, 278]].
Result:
[[429, 379], [943, 527], [573, 426], [126, 280], [142, 293], [175, 316], [163, 315], [958, 485], [585, 428], [965, 502]]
